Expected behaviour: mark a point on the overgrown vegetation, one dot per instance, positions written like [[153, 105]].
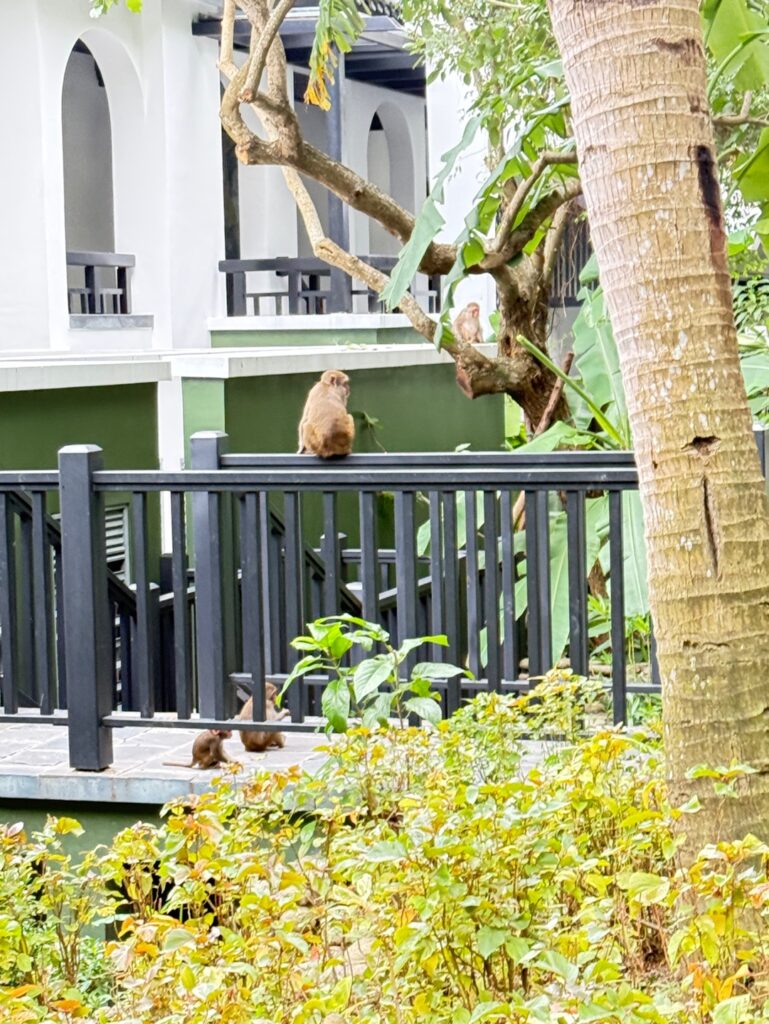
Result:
[[438, 874]]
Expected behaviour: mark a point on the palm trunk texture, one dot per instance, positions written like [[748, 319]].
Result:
[[636, 71]]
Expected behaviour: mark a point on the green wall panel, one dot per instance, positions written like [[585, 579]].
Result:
[[121, 419], [279, 339]]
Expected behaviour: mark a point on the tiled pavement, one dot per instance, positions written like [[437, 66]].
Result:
[[34, 765]]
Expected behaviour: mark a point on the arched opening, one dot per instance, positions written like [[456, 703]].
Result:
[[87, 151], [390, 160]]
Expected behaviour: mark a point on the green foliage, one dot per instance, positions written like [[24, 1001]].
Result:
[[372, 689], [339, 24], [422, 875], [99, 7]]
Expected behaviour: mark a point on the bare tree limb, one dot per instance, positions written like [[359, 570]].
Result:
[[530, 225], [553, 240], [546, 159], [226, 63], [260, 48]]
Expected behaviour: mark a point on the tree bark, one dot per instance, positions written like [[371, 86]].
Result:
[[637, 76]]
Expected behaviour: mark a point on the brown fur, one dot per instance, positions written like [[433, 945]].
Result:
[[467, 326], [207, 750], [326, 428], [258, 742]]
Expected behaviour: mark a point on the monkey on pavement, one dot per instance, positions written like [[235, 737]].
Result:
[[326, 428], [257, 742], [467, 326], [207, 750]]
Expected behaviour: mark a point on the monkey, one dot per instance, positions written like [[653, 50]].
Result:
[[258, 742], [326, 428], [207, 750], [467, 326]]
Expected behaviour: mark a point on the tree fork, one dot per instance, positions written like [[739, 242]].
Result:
[[637, 77]]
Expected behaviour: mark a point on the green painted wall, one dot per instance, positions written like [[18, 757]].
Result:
[[100, 826], [350, 336], [418, 408], [121, 419]]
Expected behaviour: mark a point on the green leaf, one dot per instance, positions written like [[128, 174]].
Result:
[[435, 670], [370, 675], [634, 555], [427, 708], [489, 941], [384, 851], [175, 938], [428, 223], [553, 961], [733, 1011], [728, 28], [752, 172], [335, 704]]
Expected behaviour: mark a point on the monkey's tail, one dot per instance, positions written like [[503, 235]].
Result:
[[178, 764]]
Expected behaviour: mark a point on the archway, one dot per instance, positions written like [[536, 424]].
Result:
[[390, 160], [87, 155]]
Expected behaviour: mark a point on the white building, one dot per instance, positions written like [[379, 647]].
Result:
[[120, 197]]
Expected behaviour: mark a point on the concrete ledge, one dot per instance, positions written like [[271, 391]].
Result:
[[225, 364], [111, 321], [303, 322], [34, 765], [46, 374]]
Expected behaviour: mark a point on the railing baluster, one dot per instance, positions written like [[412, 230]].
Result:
[[294, 617], [451, 595], [89, 643], [491, 588], [473, 585], [437, 605], [43, 605], [28, 691], [8, 620], [61, 661], [577, 546], [214, 583], [181, 608], [330, 555], [509, 633], [405, 569], [251, 601], [369, 574], [538, 582], [144, 654], [617, 584]]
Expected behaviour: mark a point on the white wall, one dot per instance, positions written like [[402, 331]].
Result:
[[446, 104], [163, 91]]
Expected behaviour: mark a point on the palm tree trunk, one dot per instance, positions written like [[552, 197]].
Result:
[[637, 75]]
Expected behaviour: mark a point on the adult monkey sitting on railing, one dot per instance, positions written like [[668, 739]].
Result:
[[326, 428]]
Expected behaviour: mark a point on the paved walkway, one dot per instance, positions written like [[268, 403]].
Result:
[[34, 765]]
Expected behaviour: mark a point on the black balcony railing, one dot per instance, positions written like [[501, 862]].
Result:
[[105, 286], [258, 548], [304, 285]]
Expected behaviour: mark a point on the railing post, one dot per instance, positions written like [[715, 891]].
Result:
[[214, 584], [87, 631]]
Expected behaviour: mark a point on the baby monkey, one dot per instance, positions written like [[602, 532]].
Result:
[[326, 427], [207, 750], [258, 742]]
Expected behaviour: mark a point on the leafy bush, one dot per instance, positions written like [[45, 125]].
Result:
[[426, 874]]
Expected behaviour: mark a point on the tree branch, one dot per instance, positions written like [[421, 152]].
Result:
[[546, 159], [530, 225], [553, 240], [260, 48]]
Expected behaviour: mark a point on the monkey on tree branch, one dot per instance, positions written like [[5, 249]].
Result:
[[519, 100]]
